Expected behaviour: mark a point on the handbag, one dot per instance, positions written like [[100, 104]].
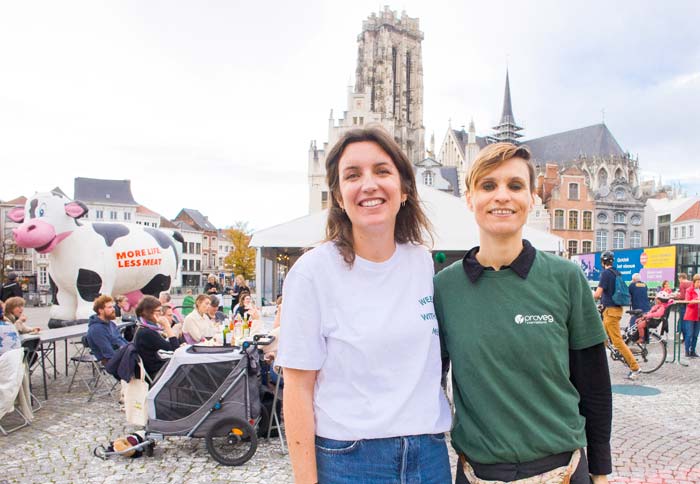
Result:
[[135, 398]]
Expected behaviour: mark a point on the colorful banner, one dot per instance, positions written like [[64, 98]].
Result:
[[654, 265]]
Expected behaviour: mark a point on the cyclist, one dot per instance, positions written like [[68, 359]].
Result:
[[612, 313]]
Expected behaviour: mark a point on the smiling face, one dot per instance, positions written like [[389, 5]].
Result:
[[502, 199], [370, 188]]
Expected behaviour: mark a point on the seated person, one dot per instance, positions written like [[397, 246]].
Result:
[[662, 301], [166, 300], [214, 312], [9, 337], [197, 326], [151, 334], [103, 335], [247, 309], [14, 313], [123, 309]]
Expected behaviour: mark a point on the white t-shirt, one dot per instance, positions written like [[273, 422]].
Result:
[[372, 333]]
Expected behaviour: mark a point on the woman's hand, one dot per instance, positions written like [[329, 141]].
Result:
[[36, 330], [599, 479]]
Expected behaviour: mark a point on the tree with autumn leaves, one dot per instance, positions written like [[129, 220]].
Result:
[[241, 259]]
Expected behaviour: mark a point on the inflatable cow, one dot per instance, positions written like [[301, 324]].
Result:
[[87, 259]]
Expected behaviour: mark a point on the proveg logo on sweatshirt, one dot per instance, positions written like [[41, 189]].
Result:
[[533, 318]]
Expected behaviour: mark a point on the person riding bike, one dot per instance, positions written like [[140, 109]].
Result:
[[612, 312]]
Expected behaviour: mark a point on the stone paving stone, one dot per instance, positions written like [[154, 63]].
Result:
[[655, 440]]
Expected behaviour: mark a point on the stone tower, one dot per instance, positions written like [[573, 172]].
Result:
[[390, 70]]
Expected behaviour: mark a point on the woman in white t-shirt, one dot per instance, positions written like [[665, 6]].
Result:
[[359, 340]]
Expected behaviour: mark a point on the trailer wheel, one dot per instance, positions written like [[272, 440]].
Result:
[[232, 441]]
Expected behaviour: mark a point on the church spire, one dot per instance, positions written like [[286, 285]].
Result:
[[507, 129]]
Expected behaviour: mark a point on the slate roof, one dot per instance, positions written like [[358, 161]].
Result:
[[462, 137], [95, 190], [596, 140], [693, 213], [201, 222], [449, 173]]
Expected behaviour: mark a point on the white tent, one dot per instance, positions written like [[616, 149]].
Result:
[[455, 231], [454, 226]]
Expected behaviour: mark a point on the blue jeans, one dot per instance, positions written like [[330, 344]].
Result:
[[690, 335], [416, 459]]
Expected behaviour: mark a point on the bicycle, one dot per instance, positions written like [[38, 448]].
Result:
[[650, 354]]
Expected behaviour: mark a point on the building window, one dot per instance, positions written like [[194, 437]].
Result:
[[573, 247], [184, 264], [198, 265], [636, 240], [573, 219], [192, 265], [198, 249], [428, 178], [586, 247], [683, 232], [602, 218], [99, 214], [619, 218], [650, 237], [601, 240], [112, 215], [620, 194], [664, 223], [636, 219], [573, 191], [43, 277], [587, 220], [675, 232], [558, 220], [127, 216], [690, 230], [324, 200], [618, 239]]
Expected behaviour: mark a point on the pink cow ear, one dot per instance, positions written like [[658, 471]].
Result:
[[16, 214], [76, 209]]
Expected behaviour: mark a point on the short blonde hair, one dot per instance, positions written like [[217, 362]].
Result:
[[494, 155], [13, 303]]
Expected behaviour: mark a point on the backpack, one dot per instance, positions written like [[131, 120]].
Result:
[[621, 296]]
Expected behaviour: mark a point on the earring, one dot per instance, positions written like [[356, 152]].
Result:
[[403, 204]]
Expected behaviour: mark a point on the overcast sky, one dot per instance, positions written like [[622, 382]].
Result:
[[212, 104]]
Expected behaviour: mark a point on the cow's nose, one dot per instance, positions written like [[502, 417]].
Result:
[[31, 227]]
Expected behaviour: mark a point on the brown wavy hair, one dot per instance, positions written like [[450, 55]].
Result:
[[412, 225]]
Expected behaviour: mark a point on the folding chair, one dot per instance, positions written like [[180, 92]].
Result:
[[99, 378], [12, 374], [274, 420]]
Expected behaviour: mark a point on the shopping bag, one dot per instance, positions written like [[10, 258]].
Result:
[[135, 398]]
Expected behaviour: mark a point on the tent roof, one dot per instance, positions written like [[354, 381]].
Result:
[[454, 226]]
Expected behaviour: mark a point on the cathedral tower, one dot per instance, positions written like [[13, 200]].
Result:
[[390, 70], [507, 129]]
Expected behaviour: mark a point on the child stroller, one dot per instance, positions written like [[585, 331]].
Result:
[[207, 392]]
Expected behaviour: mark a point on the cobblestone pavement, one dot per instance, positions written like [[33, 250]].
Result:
[[655, 440]]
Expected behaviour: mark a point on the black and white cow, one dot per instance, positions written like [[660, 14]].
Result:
[[87, 259]]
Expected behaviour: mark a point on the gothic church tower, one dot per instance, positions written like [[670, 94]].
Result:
[[390, 70]]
